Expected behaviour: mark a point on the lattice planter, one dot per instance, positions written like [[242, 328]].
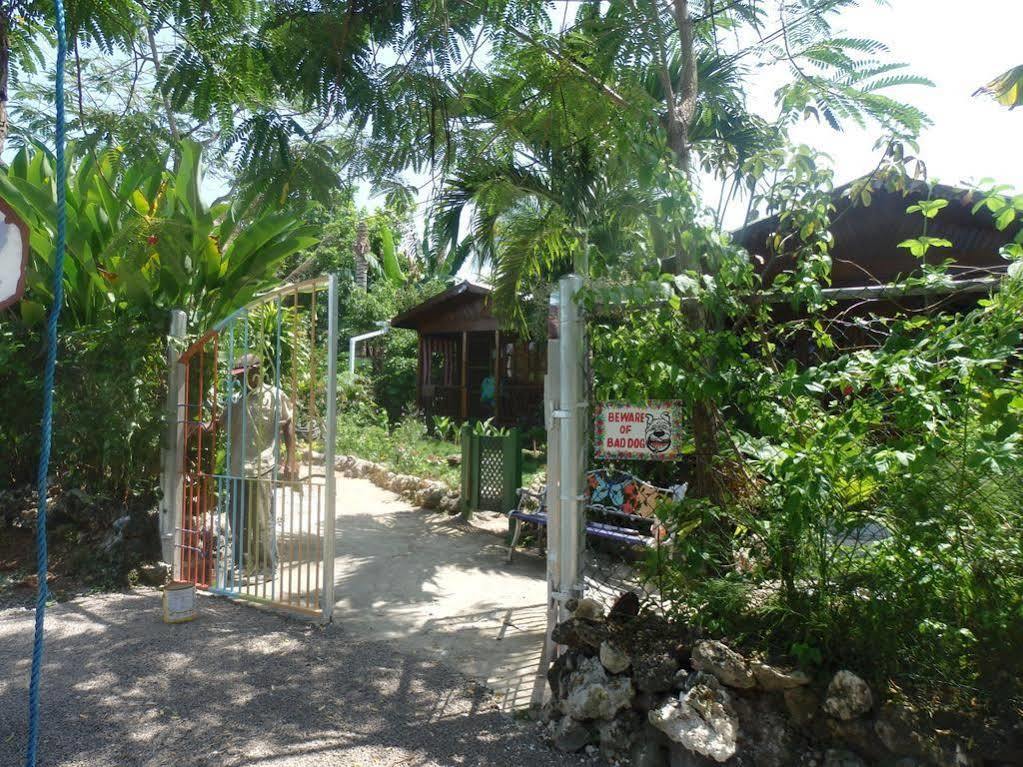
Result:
[[491, 471]]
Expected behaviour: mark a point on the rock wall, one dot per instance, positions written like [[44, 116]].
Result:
[[650, 693], [427, 493]]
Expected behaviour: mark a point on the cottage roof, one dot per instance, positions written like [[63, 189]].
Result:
[[464, 307], [866, 248]]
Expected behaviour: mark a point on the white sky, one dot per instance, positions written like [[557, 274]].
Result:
[[959, 46]]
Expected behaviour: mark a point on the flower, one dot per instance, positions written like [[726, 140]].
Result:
[[152, 239]]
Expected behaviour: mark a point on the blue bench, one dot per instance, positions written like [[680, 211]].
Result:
[[619, 507]]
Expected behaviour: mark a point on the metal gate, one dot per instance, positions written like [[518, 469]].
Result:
[[255, 492]]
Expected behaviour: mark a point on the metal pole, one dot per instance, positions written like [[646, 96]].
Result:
[[552, 391], [329, 448], [571, 448], [171, 463]]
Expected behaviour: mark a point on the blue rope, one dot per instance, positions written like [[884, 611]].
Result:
[[48, 376]]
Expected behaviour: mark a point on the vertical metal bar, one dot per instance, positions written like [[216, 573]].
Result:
[[212, 464], [552, 393], [320, 511], [201, 500], [292, 542], [245, 511], [330, 510], [308, 547], [278, 394], [232, 490], [170, 511], [182, 535], [571, 432], [307, 537]]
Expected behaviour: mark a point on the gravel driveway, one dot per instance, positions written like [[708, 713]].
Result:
[[241, 686]]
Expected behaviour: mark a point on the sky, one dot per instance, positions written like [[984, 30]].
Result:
[[959, 46]]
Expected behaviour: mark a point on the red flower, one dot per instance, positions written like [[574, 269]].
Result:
[[847, 391], [152, 239]]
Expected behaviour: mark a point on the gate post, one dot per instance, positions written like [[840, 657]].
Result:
[[572, 447], [172, 455], [329, 448], [552, 389]]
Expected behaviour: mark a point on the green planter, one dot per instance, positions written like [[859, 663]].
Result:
[[491, 471]]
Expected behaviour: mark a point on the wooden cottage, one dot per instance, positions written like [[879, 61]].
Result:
[[470, 368], [868, 264], [866, 253]]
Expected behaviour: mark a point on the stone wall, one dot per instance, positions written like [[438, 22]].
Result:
[[650, 693], [426, 493]]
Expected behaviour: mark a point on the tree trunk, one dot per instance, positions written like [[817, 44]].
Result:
[[5, 71], [680, 113], [361, 252]]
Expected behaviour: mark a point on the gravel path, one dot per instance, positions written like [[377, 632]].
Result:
[[241, 686]]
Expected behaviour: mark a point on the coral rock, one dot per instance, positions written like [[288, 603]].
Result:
[[848, 696], [727, 665], [702, 720]]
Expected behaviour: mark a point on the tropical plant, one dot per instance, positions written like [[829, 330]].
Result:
[[869, 482], [1006, 89], [575, 129], [141, 240]]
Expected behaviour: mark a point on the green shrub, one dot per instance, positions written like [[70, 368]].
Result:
[[907, 427], [108, 407]]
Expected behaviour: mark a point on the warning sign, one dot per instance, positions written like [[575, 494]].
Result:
[[647, 432], [13, 255]]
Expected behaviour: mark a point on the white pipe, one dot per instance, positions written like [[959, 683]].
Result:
[[363, 337]]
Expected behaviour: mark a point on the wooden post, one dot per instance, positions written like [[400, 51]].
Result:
[[420, 367], [469, 470], [465, 375], [497, 376]]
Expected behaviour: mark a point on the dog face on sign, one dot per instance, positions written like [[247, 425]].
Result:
[[658, 432]]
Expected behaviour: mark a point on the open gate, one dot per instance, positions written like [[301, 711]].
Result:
[[255, 495]]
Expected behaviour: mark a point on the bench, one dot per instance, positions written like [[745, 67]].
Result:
[[619, 507]]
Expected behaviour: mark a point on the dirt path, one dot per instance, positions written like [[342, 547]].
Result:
[[241, 686], [441, 588]]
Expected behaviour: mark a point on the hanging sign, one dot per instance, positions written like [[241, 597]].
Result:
[[648, 432], [13, 255]]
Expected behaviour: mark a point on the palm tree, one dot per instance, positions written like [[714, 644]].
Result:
[[361, 256]]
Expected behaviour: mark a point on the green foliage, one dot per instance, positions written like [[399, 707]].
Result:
[[444, 427], [868, 498], [1006, 89], [364, 430], [392, 357], [108, 413], [141, 241]]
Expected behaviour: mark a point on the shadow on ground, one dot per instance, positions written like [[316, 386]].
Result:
[[437, 586], [241, 686]]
